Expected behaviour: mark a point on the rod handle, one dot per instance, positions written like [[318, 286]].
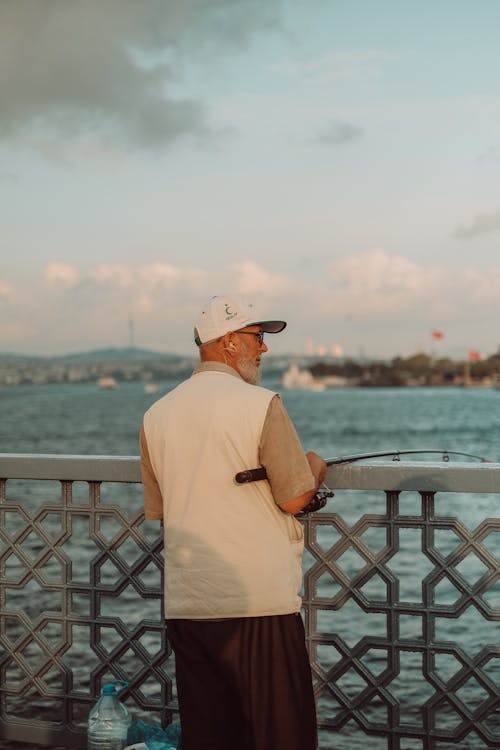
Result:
[[251, 475]]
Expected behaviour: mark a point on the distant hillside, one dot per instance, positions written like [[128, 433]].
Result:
[[128, 354], [96, 355], [122, 365]]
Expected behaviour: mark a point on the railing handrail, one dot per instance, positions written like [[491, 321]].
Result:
[[420, 476], [70, 467], [442, 476]]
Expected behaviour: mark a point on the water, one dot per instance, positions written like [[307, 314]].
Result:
[[80, 419]]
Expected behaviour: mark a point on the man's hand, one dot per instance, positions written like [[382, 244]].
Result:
[[318, 469]]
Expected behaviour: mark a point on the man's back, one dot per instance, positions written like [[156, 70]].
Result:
[[230, 551]]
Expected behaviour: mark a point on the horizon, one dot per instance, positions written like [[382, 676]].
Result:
[[472, 356]]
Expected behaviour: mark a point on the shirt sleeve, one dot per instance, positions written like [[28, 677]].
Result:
[[153, 502], [282, 455]]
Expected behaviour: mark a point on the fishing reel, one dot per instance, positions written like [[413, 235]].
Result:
[[318, 501]]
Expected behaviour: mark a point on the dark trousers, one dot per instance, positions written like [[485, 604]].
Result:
[[244, 684]]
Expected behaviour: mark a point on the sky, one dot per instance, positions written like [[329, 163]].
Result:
[[334, 162]]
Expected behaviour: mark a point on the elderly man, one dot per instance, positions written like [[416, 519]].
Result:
[[232, 552]]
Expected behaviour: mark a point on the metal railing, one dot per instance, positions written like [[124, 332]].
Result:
[[401, 602]]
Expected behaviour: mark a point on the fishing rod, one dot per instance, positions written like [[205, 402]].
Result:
[[255, 475], [322, 495]]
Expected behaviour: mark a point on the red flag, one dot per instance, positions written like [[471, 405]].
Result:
[[437, 334], [474, 356]]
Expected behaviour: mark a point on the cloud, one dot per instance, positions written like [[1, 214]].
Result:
[[150, 277], [157, 285], [354, 66], [367, 297], [338, 132], [244, 277], [6, 291], [113, 275], [375, 284], [167, 275], [481, 224], [95, 304], [249, 278], [113, 68], [61, 274], [376, 272]]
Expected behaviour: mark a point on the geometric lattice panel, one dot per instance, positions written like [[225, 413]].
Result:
[[81, 603], [401, 606], [403, 617]]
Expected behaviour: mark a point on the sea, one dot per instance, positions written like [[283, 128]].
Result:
[[81, 419]]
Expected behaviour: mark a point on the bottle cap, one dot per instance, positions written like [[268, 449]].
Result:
[[113, 688]]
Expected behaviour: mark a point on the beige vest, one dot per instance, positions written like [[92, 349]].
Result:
[[229, 550]]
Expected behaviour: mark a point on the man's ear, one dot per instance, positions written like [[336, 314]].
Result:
[[228, 343]]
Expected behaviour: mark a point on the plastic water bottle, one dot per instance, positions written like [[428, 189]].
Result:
[[109, 720]]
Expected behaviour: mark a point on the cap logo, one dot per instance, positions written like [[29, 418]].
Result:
[[229, 313]]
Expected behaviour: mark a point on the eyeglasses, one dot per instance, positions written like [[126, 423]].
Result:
[[258, 334]]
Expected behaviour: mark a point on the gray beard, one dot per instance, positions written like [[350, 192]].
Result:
[[249, 372]]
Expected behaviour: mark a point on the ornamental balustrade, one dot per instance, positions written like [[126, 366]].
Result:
[[401, 602]]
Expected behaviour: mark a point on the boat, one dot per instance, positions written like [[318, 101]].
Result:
[[106, 382], [303, 380], [151, 387]]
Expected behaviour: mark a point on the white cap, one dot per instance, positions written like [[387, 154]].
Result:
[[224, 314]]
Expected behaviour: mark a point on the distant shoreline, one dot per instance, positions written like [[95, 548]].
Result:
[[137, 365]]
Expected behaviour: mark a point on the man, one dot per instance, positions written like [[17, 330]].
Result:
[[232, 552]]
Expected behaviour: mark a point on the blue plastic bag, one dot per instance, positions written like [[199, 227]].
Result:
[[155, 737]]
